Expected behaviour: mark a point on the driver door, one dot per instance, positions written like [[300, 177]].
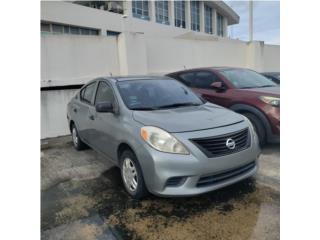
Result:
[[105, 124]]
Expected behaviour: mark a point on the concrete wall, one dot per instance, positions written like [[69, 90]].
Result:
[[70, 59], [54, 112]]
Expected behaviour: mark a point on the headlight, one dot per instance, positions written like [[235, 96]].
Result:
[[162, 141], [274, 101]]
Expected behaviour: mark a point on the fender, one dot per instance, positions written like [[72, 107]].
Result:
[[250, 109]]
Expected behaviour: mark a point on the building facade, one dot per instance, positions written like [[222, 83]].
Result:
[[82, 40]]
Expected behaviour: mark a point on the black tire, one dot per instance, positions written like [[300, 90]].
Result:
[[141, 189], [258, 126], [78, 144]]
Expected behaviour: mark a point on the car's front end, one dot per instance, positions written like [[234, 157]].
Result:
[[212, 159]]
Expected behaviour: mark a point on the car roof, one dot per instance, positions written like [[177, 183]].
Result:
[[136, 77], [206, 68]]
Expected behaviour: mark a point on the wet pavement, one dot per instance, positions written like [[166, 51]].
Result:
[[82, 198]]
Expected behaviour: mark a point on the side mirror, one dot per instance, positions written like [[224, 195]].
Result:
[[104, 107], [218, 86]]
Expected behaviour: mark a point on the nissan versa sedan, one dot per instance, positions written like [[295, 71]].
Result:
[[163, 137]]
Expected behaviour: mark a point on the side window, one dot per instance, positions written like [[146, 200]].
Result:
[[104, 93], [87, 93], [187, 79], [204, 79]]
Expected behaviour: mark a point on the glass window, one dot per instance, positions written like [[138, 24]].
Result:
[[57, 28], [112, 33], [204, 79], [208, 19], [187, 78], [140, 9], [245, 78], [162, 12], [156, 94], [87, 92], [195, 15], [104, 93], [66, 29], [94, 32], [74, 30], [85, 31], [45, 27], [180, 14], [220, 25]]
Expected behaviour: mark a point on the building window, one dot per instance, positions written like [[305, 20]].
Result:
[[220, 25], [111, 6], [195, 15], [208, 19], [162, 12], [112, 33], [140, 9], [57, 28], [180, 14]]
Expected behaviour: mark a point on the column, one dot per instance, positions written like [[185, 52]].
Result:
[[152, 11], [202, 17], [171, 12], [127, 5], [214, 21], [188, 15], [225, 27]]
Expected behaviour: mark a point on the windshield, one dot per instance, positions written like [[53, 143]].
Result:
[[156, 94], [244, 78]]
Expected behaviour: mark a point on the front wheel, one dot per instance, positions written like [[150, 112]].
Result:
[[258, 127], [132, 175]]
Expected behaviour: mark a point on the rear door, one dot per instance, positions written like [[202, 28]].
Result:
[[82, 111], [200, 82]]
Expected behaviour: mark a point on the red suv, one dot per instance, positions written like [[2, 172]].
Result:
[[242, 90]]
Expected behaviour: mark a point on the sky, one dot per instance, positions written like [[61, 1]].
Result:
[[266, 21]]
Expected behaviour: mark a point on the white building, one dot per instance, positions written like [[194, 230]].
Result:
[[84, 40]]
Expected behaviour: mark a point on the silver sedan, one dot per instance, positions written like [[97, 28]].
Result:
[[163, 137]]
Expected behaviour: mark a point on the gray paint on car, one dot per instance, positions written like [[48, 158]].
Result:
[[105, 132]]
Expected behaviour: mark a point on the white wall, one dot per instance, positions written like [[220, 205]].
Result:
[[169, 54], [54, 112], [68, 59]]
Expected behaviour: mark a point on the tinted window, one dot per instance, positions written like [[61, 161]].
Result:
[[87, 93], [104, 93], [155, 94], [244, 78], [201, 79], [187, 78], [204, 79]]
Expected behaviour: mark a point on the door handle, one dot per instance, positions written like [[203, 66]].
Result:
[[75, 110], [91, 117]]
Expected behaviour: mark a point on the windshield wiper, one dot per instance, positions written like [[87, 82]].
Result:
[[143, 109], [266, 86], [263, 86], [178, 105]]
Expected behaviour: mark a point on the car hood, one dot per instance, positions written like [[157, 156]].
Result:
[[274, 91], [185, 119]]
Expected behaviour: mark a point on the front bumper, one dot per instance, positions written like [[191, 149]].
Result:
[[158, 167]]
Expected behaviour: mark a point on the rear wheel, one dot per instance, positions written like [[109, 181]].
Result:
[[259, 128], [77, 143], [132, 175]]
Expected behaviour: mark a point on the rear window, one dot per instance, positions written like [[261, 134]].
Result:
[[87, 93]]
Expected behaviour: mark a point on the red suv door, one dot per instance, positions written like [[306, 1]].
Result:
[[200, 82]]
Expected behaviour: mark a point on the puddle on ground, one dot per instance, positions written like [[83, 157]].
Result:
[[102, 210]]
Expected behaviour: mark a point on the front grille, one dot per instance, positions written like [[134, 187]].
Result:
[[216, 146], [220, 177]]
